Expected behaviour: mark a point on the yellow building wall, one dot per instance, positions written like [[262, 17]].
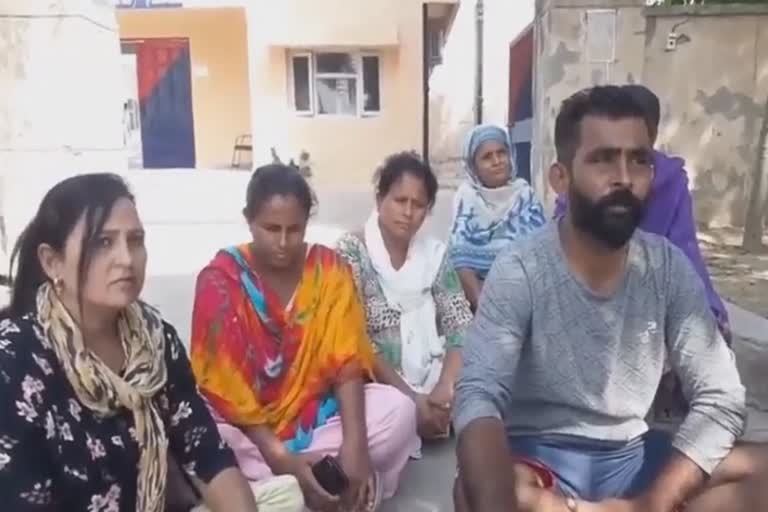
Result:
[[219, 51], [342, 149]]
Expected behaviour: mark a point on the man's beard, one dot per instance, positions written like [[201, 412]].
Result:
[[611, 228]]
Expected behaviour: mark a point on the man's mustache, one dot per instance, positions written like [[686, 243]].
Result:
[[623, 197]]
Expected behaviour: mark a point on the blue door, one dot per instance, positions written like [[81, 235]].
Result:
[[165, 99]]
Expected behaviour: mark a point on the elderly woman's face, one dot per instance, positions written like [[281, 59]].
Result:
[[492, 164]]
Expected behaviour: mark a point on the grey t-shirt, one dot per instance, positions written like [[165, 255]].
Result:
[[549, 356]]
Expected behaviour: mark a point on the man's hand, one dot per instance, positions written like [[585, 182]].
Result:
[[536, 499], [613, 505]]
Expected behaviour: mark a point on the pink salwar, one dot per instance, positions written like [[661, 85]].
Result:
[[390, 418]]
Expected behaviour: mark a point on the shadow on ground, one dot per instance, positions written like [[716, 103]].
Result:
[[739, 277]]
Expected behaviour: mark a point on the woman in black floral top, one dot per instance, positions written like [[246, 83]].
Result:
[[96, 392]]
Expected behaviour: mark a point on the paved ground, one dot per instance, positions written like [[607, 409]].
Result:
[[184, 232]]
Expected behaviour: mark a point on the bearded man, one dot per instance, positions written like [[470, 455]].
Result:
[[573, 331]]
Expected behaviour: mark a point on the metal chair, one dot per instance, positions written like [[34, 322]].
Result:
[[243, 143]]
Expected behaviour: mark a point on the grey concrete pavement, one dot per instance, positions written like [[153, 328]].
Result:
[[427, 484]]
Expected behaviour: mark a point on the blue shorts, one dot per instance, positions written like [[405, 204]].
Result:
[[594, 470]]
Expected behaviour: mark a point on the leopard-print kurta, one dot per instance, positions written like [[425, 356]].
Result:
[[453, 313]]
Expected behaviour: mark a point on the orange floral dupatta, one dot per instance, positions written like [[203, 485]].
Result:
[[260, 363]]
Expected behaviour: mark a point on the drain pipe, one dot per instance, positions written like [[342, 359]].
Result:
[[479, 8]]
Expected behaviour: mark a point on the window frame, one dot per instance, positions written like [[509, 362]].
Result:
[[357, 57], [310, 79], [361, 88]]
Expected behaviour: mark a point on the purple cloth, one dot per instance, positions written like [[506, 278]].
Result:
[[669, 213]]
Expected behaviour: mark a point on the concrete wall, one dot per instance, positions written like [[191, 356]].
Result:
[[220, 89], [60, 80], [715, 87], [563, 65], [60, 85], [342, 149], [712, 86], [451, 86]]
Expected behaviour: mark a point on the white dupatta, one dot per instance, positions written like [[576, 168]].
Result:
[[409, 290]]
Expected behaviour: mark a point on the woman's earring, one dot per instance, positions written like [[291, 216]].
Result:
[[58, 285]]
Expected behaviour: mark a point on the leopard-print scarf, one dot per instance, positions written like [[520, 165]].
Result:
[[104, 392]]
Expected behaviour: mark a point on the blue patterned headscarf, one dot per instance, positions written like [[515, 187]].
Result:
[[486, 220], [476, 138]]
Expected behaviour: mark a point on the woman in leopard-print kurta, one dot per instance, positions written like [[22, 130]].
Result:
[[406, 191]]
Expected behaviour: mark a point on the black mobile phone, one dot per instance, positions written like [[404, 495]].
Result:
[[330, 476]]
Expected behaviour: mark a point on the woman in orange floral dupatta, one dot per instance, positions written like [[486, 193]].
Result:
[[280, 351]]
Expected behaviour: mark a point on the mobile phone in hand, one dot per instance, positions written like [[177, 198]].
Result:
[[330, 476]]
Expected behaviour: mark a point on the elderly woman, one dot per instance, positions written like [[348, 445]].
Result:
[[491, 208], [97, 400], [416, 311]]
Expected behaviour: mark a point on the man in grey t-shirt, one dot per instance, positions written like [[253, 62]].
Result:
[[574, 327]]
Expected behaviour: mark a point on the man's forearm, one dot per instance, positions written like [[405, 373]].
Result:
[[675, 485], [485, 466]]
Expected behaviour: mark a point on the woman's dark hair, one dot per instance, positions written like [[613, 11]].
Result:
[[277, 180], [88, 196], [400, 164]]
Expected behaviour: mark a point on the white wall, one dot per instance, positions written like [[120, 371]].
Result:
[[60, 92], [504, 22]]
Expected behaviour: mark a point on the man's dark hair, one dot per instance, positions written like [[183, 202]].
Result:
[[608, 101], [650, 103]]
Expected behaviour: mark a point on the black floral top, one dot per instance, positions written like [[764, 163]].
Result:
[[56, 455]]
